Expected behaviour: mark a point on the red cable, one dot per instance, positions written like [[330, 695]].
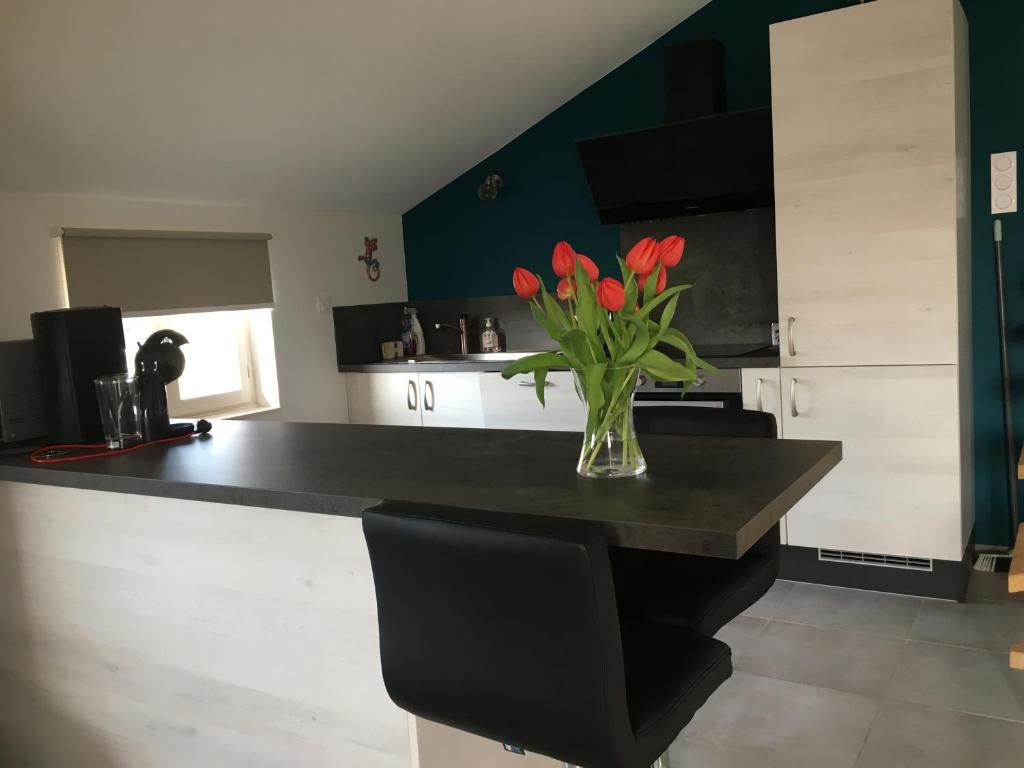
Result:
[[37, 457]]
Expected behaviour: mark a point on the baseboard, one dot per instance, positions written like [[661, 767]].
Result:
[[947, 580]]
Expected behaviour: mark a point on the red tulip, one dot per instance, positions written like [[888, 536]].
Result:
[[563, 259], [589, 266], [660, 285], [566, 288], [611, 294], [525, 282], [670, 250], [643, 256]]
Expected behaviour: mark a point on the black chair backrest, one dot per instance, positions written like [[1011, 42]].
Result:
[[501, 625], [703, 422]]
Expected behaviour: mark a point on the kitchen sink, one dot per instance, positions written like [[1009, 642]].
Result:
[[473, 357]]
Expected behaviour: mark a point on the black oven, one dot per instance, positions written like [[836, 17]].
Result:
[[722, 389]]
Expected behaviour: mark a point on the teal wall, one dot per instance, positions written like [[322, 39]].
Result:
[[456, 245]]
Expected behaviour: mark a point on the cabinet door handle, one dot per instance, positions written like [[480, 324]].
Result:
[[789, 336], [528, 383], [792, 399], [757, 396], [428, 396], [410, 396]]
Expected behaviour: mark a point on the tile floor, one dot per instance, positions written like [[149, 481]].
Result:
[[837, 678]]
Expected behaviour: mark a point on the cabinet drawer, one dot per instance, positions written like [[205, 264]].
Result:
[[512, 404], [897, 489]]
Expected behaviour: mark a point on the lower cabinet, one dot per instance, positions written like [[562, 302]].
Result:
[[464, 399], [762, 391], [513, 404], [415, 399], [897, 490], [383, 398], [450, 400]]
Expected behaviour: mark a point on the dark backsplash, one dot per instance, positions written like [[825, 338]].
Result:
[[359, 331], [730, 260]]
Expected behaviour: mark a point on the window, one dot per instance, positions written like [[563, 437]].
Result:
[[229, 361]]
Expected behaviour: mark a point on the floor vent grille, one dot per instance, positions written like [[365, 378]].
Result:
[[866, 558]]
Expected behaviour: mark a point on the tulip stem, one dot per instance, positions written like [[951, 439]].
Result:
[[611, 414]]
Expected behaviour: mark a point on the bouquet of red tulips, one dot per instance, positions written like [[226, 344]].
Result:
[[607, 333]]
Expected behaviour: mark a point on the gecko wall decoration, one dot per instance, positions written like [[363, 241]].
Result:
[[372, 263]]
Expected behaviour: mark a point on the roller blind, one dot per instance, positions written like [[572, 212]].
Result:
[[148, 272]]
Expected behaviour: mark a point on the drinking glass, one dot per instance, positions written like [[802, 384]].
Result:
[[118, 398]]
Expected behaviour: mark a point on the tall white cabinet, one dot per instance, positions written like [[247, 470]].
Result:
[[871, 134]]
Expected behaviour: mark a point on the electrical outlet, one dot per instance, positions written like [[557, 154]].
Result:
[[1004, 182]]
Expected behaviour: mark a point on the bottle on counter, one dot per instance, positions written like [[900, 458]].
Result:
[[491, 336], [419, 342], [408, 345]]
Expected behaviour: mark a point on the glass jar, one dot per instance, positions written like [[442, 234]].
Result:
[[490, 337]]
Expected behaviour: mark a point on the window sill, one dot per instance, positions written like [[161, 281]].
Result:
[[229, 413]]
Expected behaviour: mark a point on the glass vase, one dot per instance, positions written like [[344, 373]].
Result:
[[610, 446]]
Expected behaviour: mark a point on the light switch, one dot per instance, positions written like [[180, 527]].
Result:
[[323, 304], [1004, 182]]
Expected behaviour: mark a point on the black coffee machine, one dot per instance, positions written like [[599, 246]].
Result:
[[158, 362]]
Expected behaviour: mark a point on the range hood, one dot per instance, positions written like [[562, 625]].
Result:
[[712, 164], [718, 161]]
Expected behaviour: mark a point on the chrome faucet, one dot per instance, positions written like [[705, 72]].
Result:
[[462, 330]]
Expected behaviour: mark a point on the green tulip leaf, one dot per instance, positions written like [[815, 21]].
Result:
[[638, 347], [554, 311], [545, 322], [652, 283], [539, 380], [575, 347], [532, 363], [667, 314], [660, 366], [664, 296]]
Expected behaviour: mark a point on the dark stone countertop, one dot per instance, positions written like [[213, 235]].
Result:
[[756, 360], [706, 496]]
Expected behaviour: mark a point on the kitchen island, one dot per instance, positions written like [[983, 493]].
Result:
[[211, 603]]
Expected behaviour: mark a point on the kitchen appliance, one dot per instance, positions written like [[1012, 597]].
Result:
[[73, 348], [722, 389], [158, 362], [703, 160], [705, 165], [22, 415]]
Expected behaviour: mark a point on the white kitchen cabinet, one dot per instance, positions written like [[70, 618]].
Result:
[[870, 124], [870, 109], [450, 400], [415, 399], [384, 398], [897, 490], [762, 391], [513, 404]]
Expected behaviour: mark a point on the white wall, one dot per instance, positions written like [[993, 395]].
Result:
[[312, 254]]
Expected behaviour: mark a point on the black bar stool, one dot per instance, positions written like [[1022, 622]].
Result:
[[700, 593], [506, 626]]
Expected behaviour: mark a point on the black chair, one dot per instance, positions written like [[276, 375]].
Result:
[[699, 593], [506, 626]]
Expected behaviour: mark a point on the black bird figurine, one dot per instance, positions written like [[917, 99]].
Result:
[[158, 362]]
